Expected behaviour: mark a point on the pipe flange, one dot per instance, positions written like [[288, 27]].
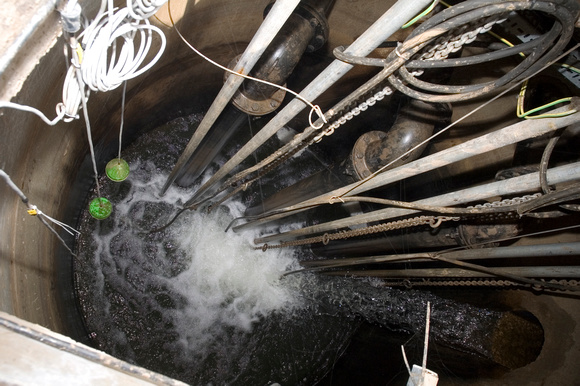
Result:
[[359, 151], [252, 106], [316, 19]]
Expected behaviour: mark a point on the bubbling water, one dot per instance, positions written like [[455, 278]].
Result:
[[193, 301], [201, 305]]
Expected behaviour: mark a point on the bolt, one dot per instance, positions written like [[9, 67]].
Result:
[[255, 107], [359, 155], [366, 173]]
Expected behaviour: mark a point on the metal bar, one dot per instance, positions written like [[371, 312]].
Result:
[[539, 250], [517, 132], [516, 185], [544, 272], [281, 10], [401, 12]]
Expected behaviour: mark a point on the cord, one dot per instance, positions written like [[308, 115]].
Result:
[[526, 114], [122, 119], [116, 45]]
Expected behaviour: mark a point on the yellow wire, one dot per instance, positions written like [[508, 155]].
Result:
[[526, 114], [419, 16]]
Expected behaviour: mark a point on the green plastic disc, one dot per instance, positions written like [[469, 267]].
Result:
[[100, 208], [117, 169]]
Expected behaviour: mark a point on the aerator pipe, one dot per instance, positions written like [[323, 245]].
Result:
[[401, 12], [281, 10], [516, 185]]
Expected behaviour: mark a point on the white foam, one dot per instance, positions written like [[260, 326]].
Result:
[[227, 284]]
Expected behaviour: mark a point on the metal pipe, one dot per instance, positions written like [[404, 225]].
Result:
[[381, 30], [275, 19], [516, 185], [509, 135], [543, 272], [539, 250]]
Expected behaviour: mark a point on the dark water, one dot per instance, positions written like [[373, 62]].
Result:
[[201, 305]]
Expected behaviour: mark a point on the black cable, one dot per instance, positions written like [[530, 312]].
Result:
[[456, 20], [546, 160]]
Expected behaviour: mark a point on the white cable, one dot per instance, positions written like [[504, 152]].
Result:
[[116, 45], [115, 49], [144, 9], [16, 106]]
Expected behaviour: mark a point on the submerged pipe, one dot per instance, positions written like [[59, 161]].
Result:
[[306, 30], [401, 12]]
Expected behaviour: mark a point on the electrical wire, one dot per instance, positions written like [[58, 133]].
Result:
[[421, 15], [545, 48], [39, 113], [122, 119], [526, 114], [89, 136], [112, 49], [34, 211]]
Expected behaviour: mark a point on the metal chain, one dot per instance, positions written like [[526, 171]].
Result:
[[507, 201], [450, 44], [434, 221], [476, 282], [441, 50]]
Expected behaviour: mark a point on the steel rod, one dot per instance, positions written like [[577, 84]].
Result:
[[543, 272], [280, 12], [516, 185], [509, 135], [539, 250], [401, 12]]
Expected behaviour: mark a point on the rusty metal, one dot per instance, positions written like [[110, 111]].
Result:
[[415, 123], [259, 43], [384, 27], [305, 31]]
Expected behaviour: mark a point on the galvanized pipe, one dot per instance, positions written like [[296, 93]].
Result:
[[275, 19], [516, 185], [517, 132], [539, 250], [401, 12]]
